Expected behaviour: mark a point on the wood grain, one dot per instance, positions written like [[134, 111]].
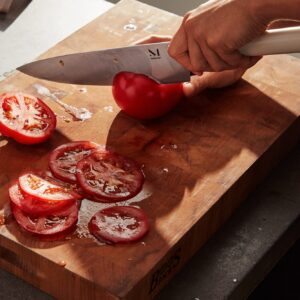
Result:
[[200, 162]]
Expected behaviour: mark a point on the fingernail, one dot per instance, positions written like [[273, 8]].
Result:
[[188, 89]]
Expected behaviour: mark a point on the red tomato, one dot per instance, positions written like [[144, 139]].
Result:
[[61, 221], [26, 118], [109, 176], [38, 188], [35, 207], [119, 224], [64, 158], [71, 186], [143, 98]]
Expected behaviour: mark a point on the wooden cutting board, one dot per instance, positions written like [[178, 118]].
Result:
[[200, 162]]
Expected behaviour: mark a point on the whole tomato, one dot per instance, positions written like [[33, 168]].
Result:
[[143, 98]]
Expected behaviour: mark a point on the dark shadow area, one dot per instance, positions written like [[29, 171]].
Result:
[[14, 288], [238, 256], [16, 9], [283, 281]]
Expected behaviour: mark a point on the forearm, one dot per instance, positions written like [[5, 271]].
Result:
[[270, 10]]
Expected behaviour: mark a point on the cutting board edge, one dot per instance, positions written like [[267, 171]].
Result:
[[25, 269]]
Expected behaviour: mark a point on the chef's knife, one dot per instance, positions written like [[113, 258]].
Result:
[[100, 67]]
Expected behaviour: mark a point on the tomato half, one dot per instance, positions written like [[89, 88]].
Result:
[[32, 206], [47, 225], [119, 224], [63, 159], [109, 176], [25, 118], [39, 188], [143, 98]]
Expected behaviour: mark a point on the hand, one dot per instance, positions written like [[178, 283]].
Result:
[[205, 80], [210, 36]]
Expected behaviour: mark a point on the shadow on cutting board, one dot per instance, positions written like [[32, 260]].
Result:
[[202, 136], [183, 154]]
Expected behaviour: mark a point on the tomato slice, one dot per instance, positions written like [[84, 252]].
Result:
[[41, 189], [48, 175], [63, 159], [109, 176], [32, 206], [47, 225], [119, 224], [25, 118]]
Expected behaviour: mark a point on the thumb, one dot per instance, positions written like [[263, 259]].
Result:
[[195, 86]]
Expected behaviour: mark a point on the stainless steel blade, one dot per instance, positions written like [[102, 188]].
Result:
[[100, 67]]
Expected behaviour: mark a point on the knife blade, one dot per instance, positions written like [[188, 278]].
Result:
[[100, 67]]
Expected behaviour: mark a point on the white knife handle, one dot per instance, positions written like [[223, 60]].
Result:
[[276, 41]]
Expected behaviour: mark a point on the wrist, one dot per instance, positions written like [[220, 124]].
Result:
[[267, 11], [261, 10]]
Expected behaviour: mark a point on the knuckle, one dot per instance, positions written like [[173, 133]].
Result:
[[189, 24], [228, 48], [198, 34], [172, 52], [213, 43], [187, 15]]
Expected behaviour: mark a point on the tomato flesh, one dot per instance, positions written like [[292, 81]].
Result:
[[63, 159], [48, 175], [58, 222], [119, 224], [143, 98], [26, 118], [109, 176], [32, 206], [35, 186]]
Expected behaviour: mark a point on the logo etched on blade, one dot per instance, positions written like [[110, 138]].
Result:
[[154, 54]]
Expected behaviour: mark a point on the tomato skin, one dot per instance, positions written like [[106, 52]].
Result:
[[38, 188], [51, 225], [35, 207], [63, 168], [119, 224], [12, 118], [143, 98]]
